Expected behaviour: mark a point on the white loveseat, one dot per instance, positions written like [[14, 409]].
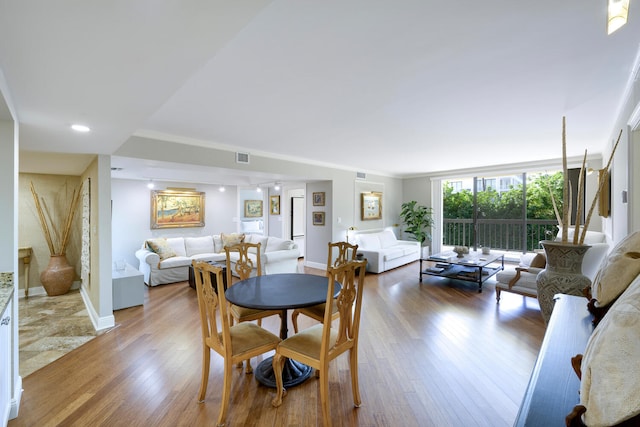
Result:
[[277, 256], [384, 251]]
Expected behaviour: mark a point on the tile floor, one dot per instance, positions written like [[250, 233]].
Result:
[[50, 327]]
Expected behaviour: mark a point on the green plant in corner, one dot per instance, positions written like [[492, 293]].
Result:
[[418, 220]]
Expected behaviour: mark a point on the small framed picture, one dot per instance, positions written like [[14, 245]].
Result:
[[318, 199], [274, 205], [318, 218]]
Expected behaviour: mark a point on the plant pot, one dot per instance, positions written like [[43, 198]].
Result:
[[562, 274], [58, 277]]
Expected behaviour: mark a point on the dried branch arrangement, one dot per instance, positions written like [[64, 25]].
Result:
[[57, 241], [563, 222]]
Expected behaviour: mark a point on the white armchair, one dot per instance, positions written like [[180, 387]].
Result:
[[522, 279]]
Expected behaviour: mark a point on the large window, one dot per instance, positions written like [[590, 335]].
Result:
[[509, 212]]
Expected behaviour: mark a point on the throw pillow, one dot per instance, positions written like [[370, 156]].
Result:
[[617, 271], [231, 239], [610, 368], [161, 247], [538, 261]]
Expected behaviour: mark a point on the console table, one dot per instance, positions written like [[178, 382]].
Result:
[[473, 267], [25, 254]]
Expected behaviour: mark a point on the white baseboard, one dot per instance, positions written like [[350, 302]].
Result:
[[99, 323]]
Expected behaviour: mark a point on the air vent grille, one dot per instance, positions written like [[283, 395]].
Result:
[[242, 158], [361, 175]]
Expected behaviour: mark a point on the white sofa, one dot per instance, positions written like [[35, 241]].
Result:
[[384, 251], [277, 256], [522, 280]]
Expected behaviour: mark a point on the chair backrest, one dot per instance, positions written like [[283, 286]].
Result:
[[215, 330], [349, 304], [244, 265], [340, 253]]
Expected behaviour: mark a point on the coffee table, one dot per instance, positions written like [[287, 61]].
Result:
[[473, 267]]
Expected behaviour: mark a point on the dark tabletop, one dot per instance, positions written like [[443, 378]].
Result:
[[280, 291]]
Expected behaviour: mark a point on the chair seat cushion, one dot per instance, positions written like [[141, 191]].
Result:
[[242, 313], [308, 341], [317, 311], [246, 336]]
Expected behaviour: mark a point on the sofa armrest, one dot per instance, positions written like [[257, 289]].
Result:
[[374, 259], [147, 257], [276, 256]]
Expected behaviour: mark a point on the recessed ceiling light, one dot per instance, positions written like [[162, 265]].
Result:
[[80, 128]]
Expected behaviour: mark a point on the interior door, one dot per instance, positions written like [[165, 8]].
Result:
[[297, 222]]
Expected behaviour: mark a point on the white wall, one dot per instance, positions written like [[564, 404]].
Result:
[[131, 221]]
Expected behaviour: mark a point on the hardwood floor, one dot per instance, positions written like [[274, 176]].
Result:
[[431, 354]]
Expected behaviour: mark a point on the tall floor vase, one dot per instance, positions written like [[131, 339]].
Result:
[[58, 277], [562, 275]]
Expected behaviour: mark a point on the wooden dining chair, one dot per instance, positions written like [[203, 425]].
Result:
[[234, 343], [339, 253], [243, 267], [320, 344]]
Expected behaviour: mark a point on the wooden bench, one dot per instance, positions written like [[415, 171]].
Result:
[[554, 387]]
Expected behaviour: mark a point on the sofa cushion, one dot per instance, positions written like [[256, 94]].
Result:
[[176, 261], [161, 247], [256, 238], [198, 245], [387, 239], [391, 254], [617, 271], [610, 372], [369, 242], [538, 261], [177, 244], [231, 239]]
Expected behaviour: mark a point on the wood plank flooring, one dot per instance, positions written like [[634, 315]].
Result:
[[432, 354]]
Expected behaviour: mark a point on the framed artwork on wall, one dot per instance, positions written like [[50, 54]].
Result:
[[318, 198], [253, 208], [274, 205], [177, 208], [371, 205], [318, 218]]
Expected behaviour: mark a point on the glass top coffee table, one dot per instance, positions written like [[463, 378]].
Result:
[[472, 267]]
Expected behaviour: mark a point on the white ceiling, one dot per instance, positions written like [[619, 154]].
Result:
[[400, 87]]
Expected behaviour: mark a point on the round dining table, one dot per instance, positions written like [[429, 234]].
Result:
[[282, 291]]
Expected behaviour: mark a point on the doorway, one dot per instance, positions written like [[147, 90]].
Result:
[[297, 222]]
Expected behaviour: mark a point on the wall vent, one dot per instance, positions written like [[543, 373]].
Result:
[[361, 175], [242, 158]]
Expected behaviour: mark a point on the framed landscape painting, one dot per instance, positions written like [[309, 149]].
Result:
[[371, 205], [175, 208], [253, 208]]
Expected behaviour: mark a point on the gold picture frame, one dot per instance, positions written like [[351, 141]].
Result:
[[318, 218], [274, 205], [371, 206], [253, 208], [319, 198], [176, 209]]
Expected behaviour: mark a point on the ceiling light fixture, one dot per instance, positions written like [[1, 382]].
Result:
[[221, 189], [80, 128], [150, 184], [617, 13], [277, 186], [258, 189]]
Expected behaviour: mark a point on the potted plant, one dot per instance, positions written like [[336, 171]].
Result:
[[418, 220]]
